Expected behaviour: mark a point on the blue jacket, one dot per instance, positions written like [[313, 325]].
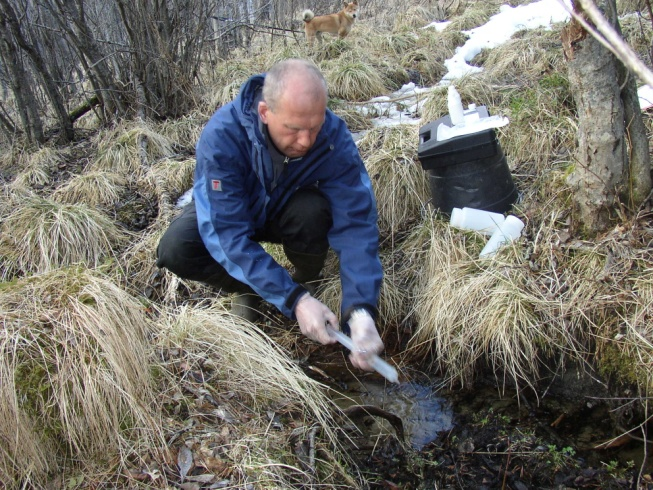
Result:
[[233, 197]]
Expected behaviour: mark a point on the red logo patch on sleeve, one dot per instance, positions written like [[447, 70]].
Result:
[[216, 185]]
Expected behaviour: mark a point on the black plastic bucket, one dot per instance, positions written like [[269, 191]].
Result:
[[466, 171]]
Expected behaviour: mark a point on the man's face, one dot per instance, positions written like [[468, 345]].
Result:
[[295, 122]]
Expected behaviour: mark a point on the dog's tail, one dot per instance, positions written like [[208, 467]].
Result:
[[308, 15]]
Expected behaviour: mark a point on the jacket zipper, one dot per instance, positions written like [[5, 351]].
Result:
[[291, 185]]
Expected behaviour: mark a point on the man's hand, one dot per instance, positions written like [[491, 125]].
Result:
[[313, 317], [365, 338]]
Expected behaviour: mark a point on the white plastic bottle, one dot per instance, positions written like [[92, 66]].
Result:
[[509, 230], [455, 104], [485, 222]]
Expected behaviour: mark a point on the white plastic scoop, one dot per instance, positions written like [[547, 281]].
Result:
[[378, 364]]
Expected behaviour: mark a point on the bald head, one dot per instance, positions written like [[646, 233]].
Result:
[[293, 106], [296, 78]]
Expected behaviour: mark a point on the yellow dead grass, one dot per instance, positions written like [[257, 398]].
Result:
[[130, 149], [237, 357], [400, 185], [471, 311], [40, 235], [75, 383]]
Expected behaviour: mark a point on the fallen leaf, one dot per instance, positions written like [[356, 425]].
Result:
[[223, 414], [184, 461], [208, 478], [189, 486]]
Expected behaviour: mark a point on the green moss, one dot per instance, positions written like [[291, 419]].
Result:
[[615, 363], [523, 104], [553, 81]]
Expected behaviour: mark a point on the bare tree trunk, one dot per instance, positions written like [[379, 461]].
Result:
[[158, 39], [11, 20], [7, 124], [600, 176], [639, 160], [21, 86], [56, 99], [72, 19]]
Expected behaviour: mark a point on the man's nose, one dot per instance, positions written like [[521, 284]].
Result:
[[304, 138]]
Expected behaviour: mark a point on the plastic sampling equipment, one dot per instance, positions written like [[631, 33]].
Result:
[[378, 364], [485, 222], [508, 231], [466, 165]]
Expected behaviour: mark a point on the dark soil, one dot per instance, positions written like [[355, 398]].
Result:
[[500, 438], [500, 442]]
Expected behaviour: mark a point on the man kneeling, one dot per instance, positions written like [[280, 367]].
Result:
[[275, 165]]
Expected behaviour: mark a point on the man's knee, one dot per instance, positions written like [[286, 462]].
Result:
[[181, 249], [307, 217]]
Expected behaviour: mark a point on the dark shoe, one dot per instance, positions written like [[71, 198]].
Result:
[[307, 266], [246, 306]]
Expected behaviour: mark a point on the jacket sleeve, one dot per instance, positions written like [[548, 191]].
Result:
[[225, 222], [354, 235]]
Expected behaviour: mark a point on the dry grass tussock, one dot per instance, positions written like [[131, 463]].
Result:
[[475, 14], [227, 78], [37, 167], [473, 311], [129, 149], [40, 235], [390, 156], [175, 176], [139, 259], [353, 79], [185, 131], [396, 42], [356, 121], [417, 16], [97, 189], [612, 287], [75, 384], [251, 377], [168, 179]]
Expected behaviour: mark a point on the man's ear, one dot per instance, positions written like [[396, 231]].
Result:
[[263, 111]]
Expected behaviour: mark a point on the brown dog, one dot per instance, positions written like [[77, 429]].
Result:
[[339, 24]]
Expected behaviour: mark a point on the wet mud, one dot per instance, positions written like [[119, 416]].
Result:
[[485, 438]]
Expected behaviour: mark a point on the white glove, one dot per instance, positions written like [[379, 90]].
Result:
[[313, 317], [365, 338]]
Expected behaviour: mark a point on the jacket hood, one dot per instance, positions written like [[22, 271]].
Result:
[[244, 104]]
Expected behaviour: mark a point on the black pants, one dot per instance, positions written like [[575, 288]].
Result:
[[301, 227]]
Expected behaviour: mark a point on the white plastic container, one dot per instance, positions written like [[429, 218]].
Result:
[[508, 231], [485, 222], [455, 104]]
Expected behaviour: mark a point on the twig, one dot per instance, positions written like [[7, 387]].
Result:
[[397, 99], [311, 447]]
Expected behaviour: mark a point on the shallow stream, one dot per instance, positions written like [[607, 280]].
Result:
[[569, 430]]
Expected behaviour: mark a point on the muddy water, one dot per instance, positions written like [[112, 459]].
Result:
[[573, 413], [424, 413]]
